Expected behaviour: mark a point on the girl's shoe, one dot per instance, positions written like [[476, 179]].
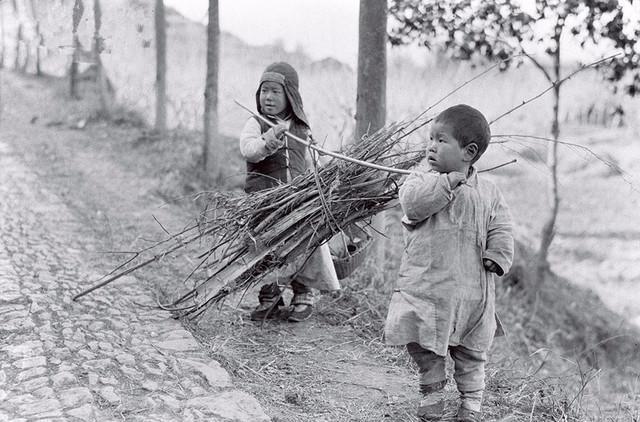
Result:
[[301, 307], [270, 298]]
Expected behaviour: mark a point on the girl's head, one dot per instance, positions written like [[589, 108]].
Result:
[[278, 94], [459, 136]]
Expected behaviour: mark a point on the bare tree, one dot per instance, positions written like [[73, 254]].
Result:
[[502, 30], [210, 155], [39, 37], [2, 36], [78, 11], [161, 67], [372, 86], [19, 36], [372, 67], [98, 48]]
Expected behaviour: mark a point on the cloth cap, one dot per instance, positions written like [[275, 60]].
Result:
[[284, 74]]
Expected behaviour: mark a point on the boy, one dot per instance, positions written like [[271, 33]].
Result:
[[272, 159], [458, 236]]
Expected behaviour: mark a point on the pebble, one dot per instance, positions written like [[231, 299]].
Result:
[[75, 396], [109, 394], [30, 362], [63, 378]]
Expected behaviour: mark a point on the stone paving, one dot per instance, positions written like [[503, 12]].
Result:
[[110, 356]]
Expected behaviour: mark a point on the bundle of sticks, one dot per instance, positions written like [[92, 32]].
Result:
[[253, 235], [245, 237]]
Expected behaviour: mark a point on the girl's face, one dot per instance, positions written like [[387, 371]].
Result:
[[273, 99]]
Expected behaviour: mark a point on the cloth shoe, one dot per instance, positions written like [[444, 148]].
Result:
[[468, 415], [270, 298], [430, 410], [301, 307], [431, 407]]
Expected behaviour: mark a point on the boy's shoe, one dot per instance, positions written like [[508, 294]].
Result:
[[468, 415], [431, 407], [301, 307], [270, 298], [430, 410]]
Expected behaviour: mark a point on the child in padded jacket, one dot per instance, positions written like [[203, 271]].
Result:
[[272, 159], [458, 237]]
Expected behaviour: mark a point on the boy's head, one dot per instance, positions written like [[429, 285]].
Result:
[[459, 136], [278, 92]]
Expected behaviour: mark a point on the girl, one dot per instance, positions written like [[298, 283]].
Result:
[[272, 159]]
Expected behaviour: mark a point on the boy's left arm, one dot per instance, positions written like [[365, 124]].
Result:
[[498, 255]]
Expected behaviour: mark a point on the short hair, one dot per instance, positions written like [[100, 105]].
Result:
[[468, 126]]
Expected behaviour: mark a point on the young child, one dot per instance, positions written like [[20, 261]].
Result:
[[272, 159], [458, 236]]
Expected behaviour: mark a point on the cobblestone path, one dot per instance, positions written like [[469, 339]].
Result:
[[107, 357]]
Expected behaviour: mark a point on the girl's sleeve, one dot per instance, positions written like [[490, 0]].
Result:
[[423, 194], [252, 144], [500, 235]]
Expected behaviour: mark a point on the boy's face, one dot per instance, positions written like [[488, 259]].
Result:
[[273, 99], [444, 153]]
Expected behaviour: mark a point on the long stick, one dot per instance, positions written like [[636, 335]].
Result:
[[137, 267], [344, 157], [327, 152]]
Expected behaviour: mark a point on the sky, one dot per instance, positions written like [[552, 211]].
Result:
[[323, 28]]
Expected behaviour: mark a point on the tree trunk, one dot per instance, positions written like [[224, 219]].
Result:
[[371, 92], [19, 43], [161, 68], [78, 11], [2, 37], [553, 196], [372, 67], [210, 155], [98, 48], [39, 46], [39, 38]]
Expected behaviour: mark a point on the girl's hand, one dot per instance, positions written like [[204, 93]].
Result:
[[280, 129], [489, 265], [274, 137]]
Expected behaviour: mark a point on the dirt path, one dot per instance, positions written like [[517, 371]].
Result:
[[314, 371], [113, 356]]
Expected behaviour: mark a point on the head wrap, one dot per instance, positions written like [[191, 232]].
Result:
[[284, 74]]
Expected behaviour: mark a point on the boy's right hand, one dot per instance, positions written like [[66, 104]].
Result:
[[455, 178], [274, 137]]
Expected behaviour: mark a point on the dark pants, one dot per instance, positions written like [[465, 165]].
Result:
[[299, 288], [468, 371]]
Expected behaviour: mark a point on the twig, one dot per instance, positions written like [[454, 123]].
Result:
[[134, 268], [533, 407], [499, 165], [558, 82], [458, 88]]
